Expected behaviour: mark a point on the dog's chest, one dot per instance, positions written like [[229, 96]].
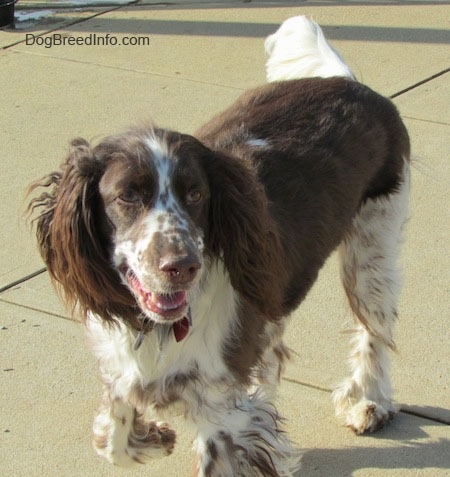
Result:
[[162, 370]]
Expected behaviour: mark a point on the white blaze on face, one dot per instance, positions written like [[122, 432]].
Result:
[[165, 221]]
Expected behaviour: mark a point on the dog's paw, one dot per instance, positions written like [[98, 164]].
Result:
[[167, 437], [151, 440], [368, 416], [360, 413], [126, 445]]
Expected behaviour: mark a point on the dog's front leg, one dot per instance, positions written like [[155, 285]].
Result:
[[243, 438], [124, 437]]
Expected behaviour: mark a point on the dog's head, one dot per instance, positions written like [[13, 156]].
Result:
[[155, 196], [131, 225]]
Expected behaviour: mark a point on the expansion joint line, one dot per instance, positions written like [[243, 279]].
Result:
[[23, 279], [420, 83]]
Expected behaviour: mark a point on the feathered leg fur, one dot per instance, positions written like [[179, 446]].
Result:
[[124, 437], [244, 440], [371, 279]]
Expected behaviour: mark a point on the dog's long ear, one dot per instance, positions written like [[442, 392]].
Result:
[[242, 232], [69, 238]]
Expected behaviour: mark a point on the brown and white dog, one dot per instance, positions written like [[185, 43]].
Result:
[[186, 254]]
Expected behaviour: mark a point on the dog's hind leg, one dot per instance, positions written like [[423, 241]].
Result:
[[372, 283]]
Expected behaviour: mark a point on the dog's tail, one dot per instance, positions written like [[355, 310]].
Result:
[[299, 50]]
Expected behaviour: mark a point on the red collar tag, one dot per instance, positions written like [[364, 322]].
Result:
[[181, 329]]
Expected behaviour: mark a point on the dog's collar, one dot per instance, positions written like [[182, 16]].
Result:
[[180, 329]]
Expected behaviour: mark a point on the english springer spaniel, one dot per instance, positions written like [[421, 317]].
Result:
[[187, 254]]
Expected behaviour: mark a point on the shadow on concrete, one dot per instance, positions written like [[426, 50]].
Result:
[[407, 455], [103, 23]]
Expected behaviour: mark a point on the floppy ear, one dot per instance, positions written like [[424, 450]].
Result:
[[243, 233], [69, 238]]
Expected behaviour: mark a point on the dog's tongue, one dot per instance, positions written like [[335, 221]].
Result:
[[181, 329], [166, 302]]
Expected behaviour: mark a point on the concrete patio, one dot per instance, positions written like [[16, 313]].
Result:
[[200, 56]]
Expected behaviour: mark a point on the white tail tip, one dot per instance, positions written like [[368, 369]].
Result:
[[298, 49]]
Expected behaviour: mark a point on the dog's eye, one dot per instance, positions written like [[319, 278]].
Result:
[[194, 196], [130, 196]]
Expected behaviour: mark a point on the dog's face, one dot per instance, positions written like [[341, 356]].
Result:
[[155, 195], [137, 219]]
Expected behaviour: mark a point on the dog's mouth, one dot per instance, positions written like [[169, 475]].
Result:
[[169, 306]]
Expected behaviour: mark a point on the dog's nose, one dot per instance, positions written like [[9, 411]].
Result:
[[180, 269]]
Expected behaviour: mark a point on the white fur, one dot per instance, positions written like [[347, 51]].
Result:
[[258, 143], [372, 281], [158, 358], [109, 423], [253, 424], [212, 404], [114, 421], [157, 147], [299, 50]]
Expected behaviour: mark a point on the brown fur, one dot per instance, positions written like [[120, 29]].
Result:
[[332, 144], [272, 214], [239, 214], [70, 241], [73, 232]]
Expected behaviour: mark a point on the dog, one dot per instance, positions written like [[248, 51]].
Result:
[[186, 255]]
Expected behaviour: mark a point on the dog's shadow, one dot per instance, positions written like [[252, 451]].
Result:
[[404, 444]]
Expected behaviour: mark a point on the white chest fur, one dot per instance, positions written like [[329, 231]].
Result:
[[160, 357]]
